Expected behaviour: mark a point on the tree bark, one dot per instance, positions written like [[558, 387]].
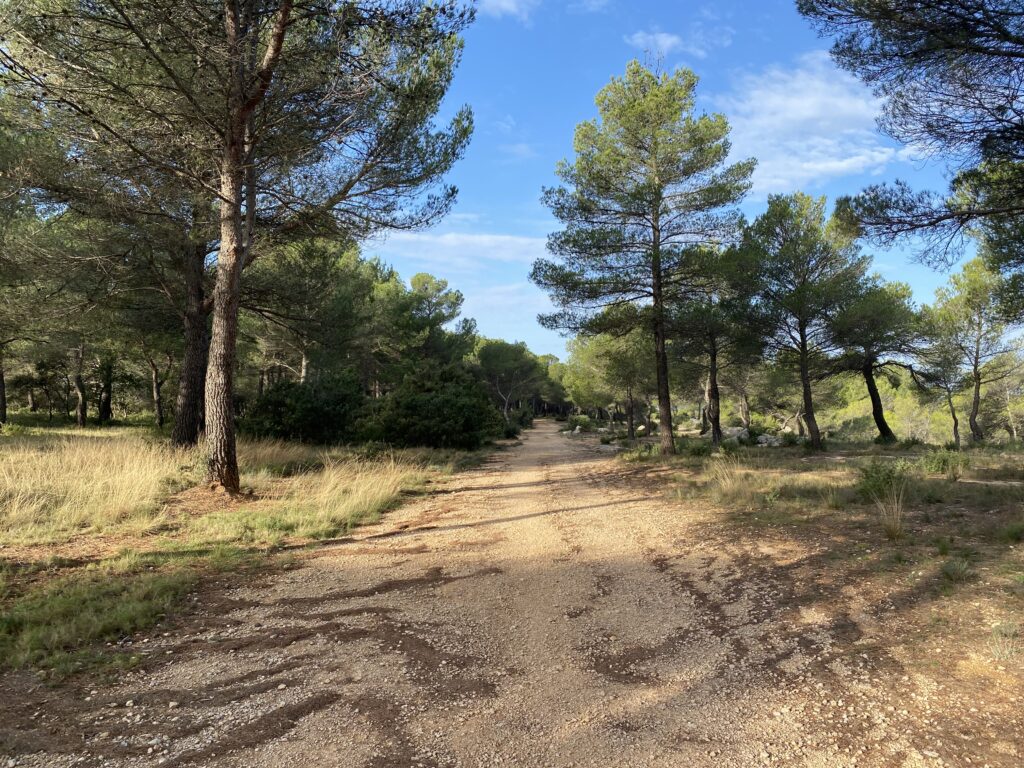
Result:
[[105, 410], [630, 414], [744, 411], [1011, 421], [188, 409], [977, 433], [82, 411], [157, 384], [956, 421], [714, 399], [3, 392], [33, 406], [304, 368], [222, 460], [877, 411], [805, 382], [666, 435]]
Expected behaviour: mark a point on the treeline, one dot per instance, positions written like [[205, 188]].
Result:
[[671, 290], [184, 190]]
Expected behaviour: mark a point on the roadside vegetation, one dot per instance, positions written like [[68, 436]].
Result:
[[104, 533]]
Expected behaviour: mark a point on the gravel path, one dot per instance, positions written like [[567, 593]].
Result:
[[547, 609]]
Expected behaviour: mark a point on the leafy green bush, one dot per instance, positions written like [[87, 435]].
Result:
[[321, 413], [583, 422], [789, 439], [949, 463], [446, 407]]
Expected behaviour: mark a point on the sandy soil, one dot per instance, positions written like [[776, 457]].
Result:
[[548, 609]]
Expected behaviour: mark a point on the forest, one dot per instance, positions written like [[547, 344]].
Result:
[[216, 397]]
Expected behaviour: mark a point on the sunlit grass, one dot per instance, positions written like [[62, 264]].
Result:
[[52, 489]]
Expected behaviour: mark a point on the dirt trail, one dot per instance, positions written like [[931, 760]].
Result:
[[547, 609]]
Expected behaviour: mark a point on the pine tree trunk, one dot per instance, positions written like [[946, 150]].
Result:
[[33, 406], [808, 400], [1011, 421], [956, 421], [977, 433], [188, 408], [222, 460], [630, 415], [158, 398], [745, 411], [105, 410], [3, 393], [705, 424], [877, 411], [82, 410], [666, 435], [714, 399], [304, 368]]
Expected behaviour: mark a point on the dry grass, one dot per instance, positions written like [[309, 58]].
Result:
[[54, 489], [318, 505]]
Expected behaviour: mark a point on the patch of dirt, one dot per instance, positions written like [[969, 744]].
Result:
[[552, 607]]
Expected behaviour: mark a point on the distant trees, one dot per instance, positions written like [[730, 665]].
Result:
[[650, 181], [874, 330], [967, 334], [511, 371], [808, 270]]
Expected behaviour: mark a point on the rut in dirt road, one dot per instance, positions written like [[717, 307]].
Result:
[[548, 609]]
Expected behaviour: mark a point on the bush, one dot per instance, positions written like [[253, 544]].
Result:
[[441, 408], [789, 439], [949, 463], [583, 422], [885, 484], [322, 413]]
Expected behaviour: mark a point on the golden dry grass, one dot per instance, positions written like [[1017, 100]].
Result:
[[54, 489]]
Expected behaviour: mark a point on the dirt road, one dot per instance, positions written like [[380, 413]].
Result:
[[547, 609]]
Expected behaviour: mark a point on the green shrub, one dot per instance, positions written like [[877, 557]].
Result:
[[949, 463], [790, 439], [583, 422], [322, 413], [910, 442], [956, 570], [1013, 533], [446, 407], [884, 483]]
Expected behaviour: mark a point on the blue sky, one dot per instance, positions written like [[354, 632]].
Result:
[[530, 72]]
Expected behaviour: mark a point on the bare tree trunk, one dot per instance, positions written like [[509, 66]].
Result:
[[222, 461], [977, 433], [705, 424], [1009, 416], [877, 411], [261, 383], [3, 392], [808, 400], [744, 411], [188, 408], [956, 421], [630, 414], [106, 410], [82, 410], [157, 384], [666, 435], [714, 399], [33, 406], [304, 368]]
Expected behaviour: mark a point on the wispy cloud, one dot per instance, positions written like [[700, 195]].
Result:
[[505, 311], [698, 40], [520, 150], [519, 9], [805, 125], [460, 252], [653, 41]]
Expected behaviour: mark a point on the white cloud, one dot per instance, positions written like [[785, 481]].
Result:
[[805, 125], [659, 43], [518, 151], [698, 40], [460, 252], [519, 9]]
